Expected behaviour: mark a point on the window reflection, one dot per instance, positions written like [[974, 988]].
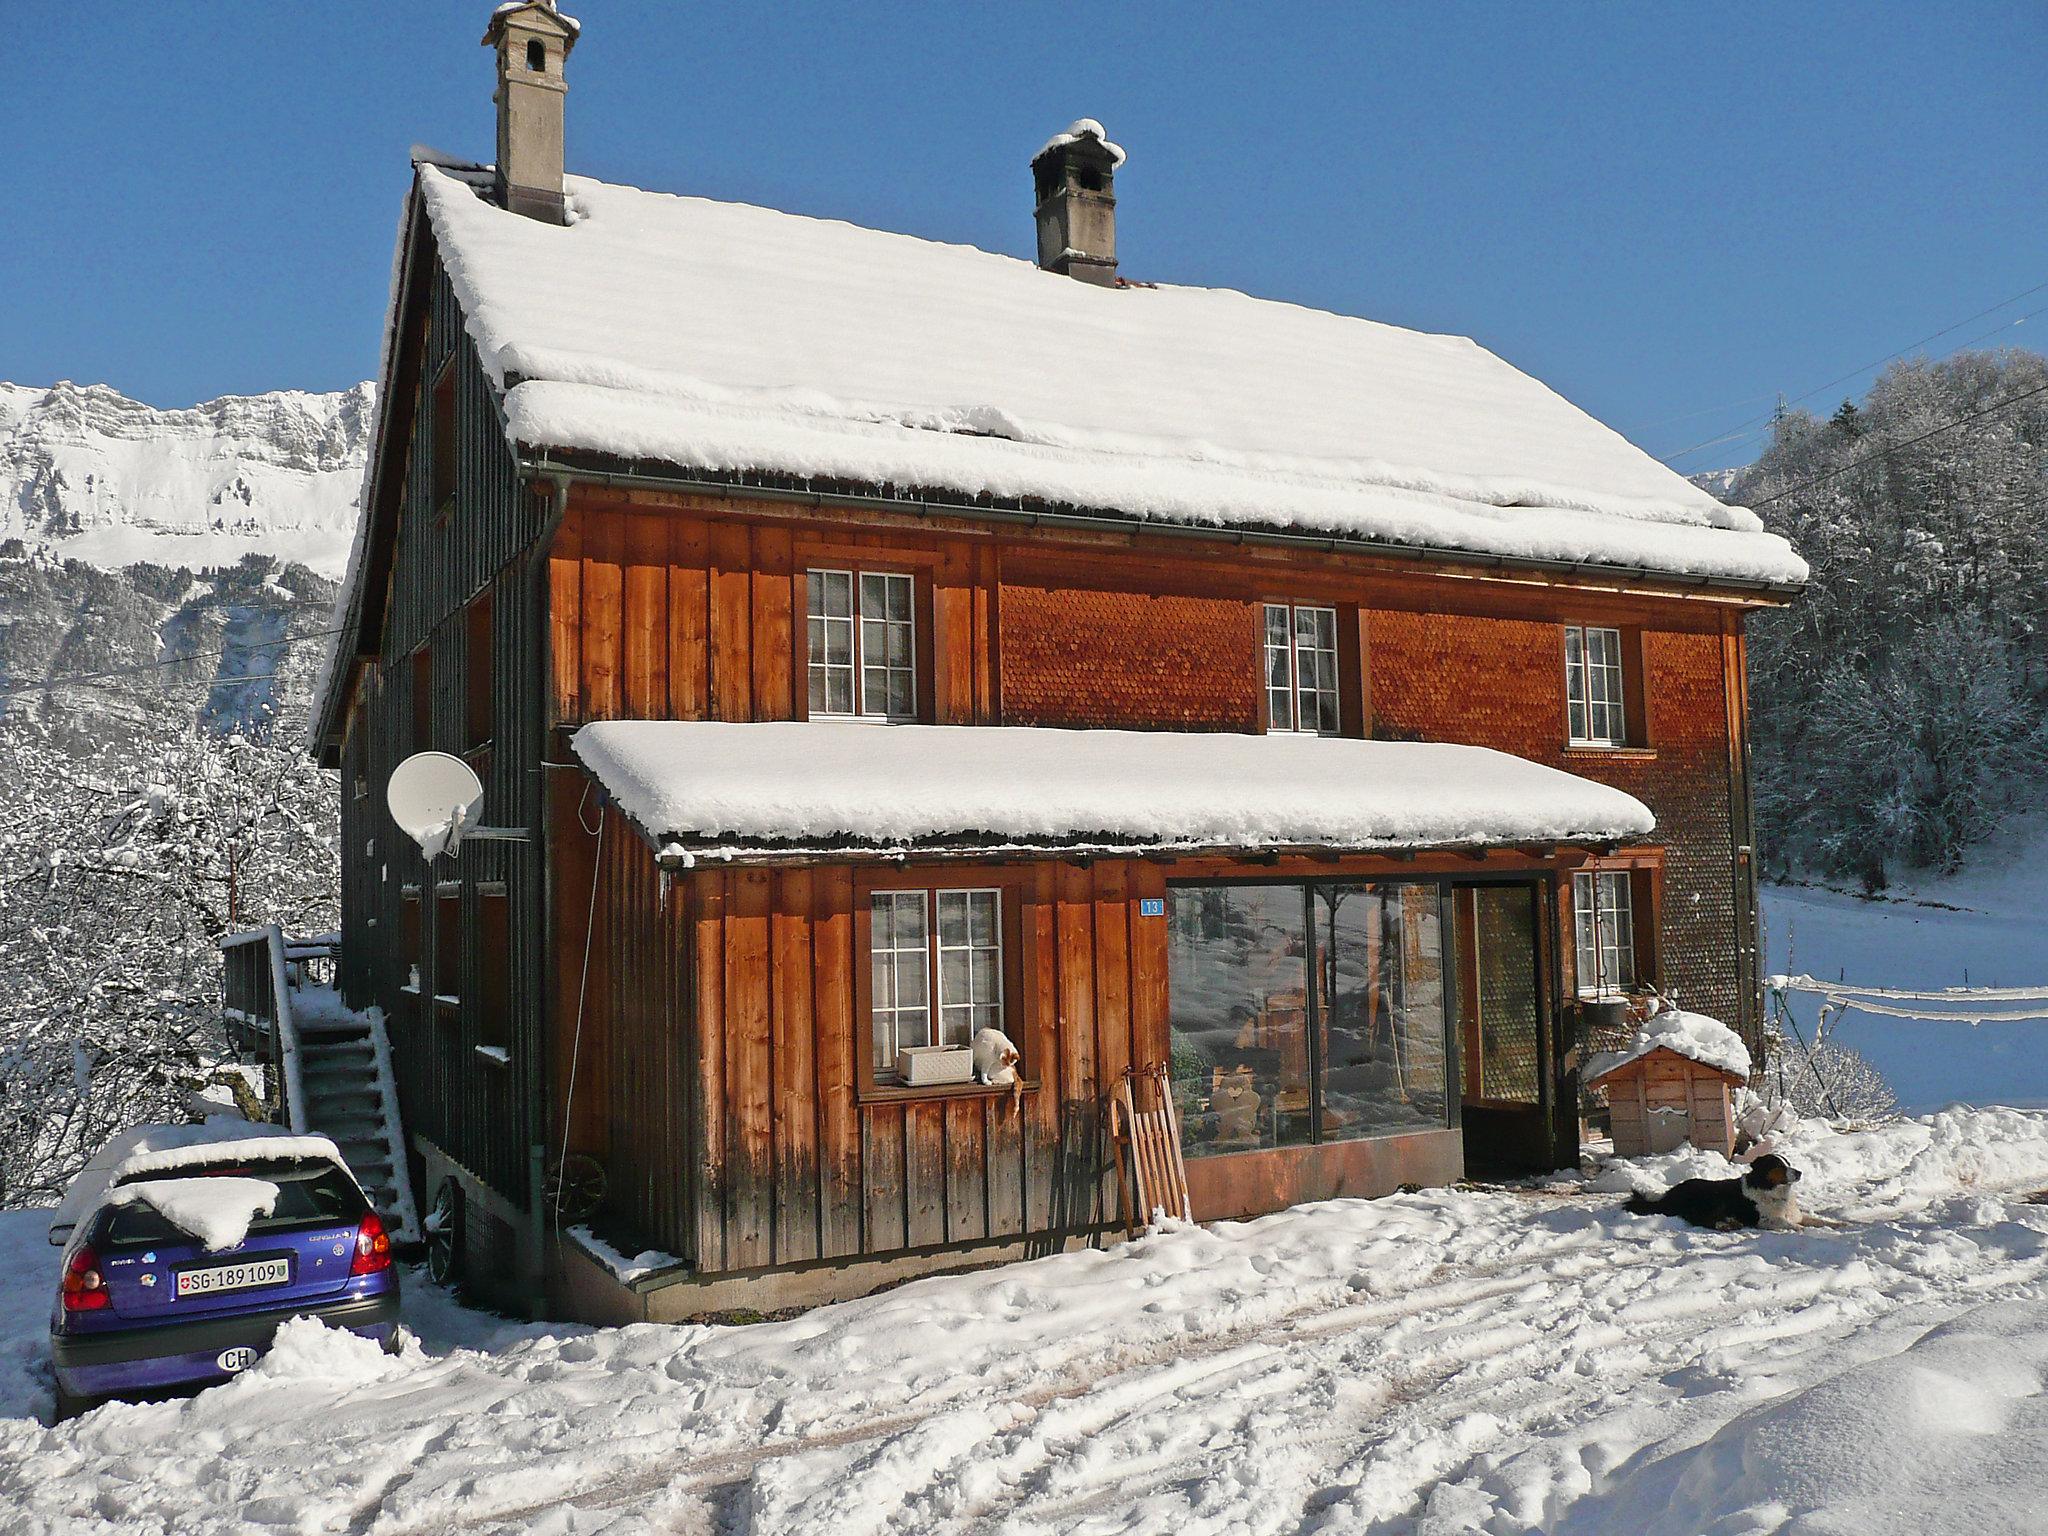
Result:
[[1265, 1054], [1237, 966], [1380, 949]]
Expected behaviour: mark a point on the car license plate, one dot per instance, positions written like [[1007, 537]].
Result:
[[234, 1277]]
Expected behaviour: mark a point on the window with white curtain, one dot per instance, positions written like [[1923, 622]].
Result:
[[1604, 921], [1301, 669], [1593, 687]]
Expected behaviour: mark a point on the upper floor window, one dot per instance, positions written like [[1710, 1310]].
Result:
[[933, 983], [1301, 669], [1604, 923], [863, 645], [1594, 687]]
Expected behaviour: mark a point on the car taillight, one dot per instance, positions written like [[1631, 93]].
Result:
[[85, 1289], [373, 1247]]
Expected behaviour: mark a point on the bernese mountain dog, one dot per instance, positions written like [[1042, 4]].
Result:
[[1762, 1197]]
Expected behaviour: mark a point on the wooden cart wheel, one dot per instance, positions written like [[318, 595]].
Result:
[[575, 1187], [444, 1234]]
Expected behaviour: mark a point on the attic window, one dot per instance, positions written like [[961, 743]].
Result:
[[536, 55]]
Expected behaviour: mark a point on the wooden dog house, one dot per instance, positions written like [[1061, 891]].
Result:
[[1662, 1098]]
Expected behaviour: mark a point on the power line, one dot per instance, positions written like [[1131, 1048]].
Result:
[[170, 661], [1730, 435], [1999, 405], [1738, 434]]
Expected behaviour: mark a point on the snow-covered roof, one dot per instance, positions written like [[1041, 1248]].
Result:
[[735, 788], [729, 339], [1694, 1036], [164, 1149]]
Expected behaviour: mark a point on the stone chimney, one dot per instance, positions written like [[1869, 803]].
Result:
[[533, 40], [1075, 179]]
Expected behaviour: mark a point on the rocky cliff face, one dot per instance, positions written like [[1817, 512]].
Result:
[[158, 567], [86, 473]]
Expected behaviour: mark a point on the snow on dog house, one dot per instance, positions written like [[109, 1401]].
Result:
[[1673, 1083], [880, 642]]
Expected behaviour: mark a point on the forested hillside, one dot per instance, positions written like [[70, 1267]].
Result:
[[1901, 706]]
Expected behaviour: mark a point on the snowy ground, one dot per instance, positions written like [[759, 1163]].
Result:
[[1987, 927], [1457, 1360]]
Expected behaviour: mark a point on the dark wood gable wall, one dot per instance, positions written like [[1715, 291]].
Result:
[[458, 669]]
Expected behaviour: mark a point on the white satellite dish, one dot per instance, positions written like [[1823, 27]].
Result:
[[435, 798]]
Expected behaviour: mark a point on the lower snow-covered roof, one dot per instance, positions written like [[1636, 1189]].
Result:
[[1695, 1036], [741, 788], [736, 340]]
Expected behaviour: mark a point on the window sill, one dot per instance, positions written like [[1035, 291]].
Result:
[[1600, 749], [887, 1093], [831, 719], [497, 1055]]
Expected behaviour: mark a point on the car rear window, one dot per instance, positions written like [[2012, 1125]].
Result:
[[308, 1195]]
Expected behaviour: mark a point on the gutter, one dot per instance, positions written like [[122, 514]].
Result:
[[633, 477]]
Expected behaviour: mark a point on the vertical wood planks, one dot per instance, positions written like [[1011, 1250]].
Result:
[[883, 1133], [771, 631], [793, 1030], [839, 1131], [1040, 1045], [1081, 1088], [565, 620], [603, 616], [731, 620], [689, 634], [966, 1171], [712, 1120], [750, 1160], [924, 1171], [646, 619]]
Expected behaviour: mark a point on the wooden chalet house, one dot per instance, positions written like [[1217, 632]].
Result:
[[883, 640]]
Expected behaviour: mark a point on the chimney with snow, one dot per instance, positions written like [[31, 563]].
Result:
[[1075, 179], [533, 40]]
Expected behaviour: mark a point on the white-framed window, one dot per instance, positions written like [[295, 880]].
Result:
[[1301, 669], [862, 644], [933, 983], [1593, 687], [899, 946], [1604, 923]]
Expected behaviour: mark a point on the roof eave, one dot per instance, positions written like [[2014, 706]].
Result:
[[629, 473]]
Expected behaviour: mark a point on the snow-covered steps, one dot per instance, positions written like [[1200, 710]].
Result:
[[349, 1096]]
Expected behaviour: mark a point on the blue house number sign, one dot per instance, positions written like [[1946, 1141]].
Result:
[[1152, 906]]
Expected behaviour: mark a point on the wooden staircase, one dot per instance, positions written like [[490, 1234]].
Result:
[[330, 1069]]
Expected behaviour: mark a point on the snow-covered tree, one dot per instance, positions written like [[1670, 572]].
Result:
[[120, 870], [1901, 705]]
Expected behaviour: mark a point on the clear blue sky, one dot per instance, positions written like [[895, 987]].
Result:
[[1658, 209]]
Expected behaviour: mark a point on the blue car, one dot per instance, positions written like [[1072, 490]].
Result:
[[143, 1304]]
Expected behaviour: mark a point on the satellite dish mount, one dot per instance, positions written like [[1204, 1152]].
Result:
[[436, 798]]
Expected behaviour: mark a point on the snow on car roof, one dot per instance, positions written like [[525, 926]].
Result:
[[728, 338], [776, 783], [162, 1149]]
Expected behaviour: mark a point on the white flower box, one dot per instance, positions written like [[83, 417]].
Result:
[[924, 1066]]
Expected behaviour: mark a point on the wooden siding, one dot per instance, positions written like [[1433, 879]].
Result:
[[472, 1107], [741, 995]]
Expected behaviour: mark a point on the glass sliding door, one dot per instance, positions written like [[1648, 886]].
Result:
[[1380, 1009], [1306, 1012], [1237, 967]]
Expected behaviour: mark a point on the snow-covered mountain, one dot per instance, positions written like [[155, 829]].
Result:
[[87, 473], [1719, 482]]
